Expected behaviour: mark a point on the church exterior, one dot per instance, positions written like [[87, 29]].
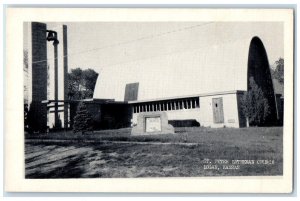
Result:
[[200, 86], [204, 86], [209, 110]]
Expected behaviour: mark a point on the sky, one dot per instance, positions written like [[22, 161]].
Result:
[[97, 45], [110, 47]]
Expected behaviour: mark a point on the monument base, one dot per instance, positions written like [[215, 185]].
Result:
[[152, 123]]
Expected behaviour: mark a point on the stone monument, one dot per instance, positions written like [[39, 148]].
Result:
[[152, 123]]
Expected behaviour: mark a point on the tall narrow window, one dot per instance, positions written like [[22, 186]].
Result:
[[169, 106], [188, 104], [184, 104], [197, 103], [193, 103]]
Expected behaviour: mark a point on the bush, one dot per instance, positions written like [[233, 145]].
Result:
[[36, 117], [82, 120], [254, 104], [184, 123]]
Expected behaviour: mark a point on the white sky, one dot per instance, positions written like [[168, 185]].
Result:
[[85, 40]]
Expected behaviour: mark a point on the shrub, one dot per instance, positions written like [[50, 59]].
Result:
[[82, 119], [255, 105]]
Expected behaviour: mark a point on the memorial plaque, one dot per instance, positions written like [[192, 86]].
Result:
[[153, 124]]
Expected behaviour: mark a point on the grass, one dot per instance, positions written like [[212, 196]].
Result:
[[76, 158], [186, 134]]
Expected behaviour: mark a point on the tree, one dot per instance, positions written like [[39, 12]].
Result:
[[25, 71], [82, 120], [81, 83], [35, 116], [279, 70], [26, 110], [254, 104], [25, 89]]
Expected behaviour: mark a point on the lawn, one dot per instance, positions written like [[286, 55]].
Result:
[[189, 152]]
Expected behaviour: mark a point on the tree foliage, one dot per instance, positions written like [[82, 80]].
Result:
[[255, 105], [26, 111], [82, 120], [35, 117], [81, 83], [25, 60], [279, 70], [25, 71], [25, 89]]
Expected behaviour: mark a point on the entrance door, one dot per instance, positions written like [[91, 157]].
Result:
[[217, 104]]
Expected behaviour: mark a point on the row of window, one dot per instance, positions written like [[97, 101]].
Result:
[[178, 104]]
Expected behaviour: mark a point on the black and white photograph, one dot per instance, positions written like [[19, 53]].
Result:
[[154, 99]]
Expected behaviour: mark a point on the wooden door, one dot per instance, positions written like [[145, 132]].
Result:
[[217, 104]]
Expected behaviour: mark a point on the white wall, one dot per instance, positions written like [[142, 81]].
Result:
[[204, 114], [230, 111]]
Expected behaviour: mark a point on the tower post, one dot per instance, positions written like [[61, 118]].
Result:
[[65, 58]]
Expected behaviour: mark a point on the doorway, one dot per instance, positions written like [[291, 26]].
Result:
[[218, 114]]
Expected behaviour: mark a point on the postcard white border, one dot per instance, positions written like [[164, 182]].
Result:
[[13, 100]]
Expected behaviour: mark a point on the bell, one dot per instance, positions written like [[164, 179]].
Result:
[[51, 36]]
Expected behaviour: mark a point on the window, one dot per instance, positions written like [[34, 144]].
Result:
[[179, 104], [165, 106], [174, 105], [184, 104], [197, 103], [188, 101], [155, 106], [159, 106], [169, 106]]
